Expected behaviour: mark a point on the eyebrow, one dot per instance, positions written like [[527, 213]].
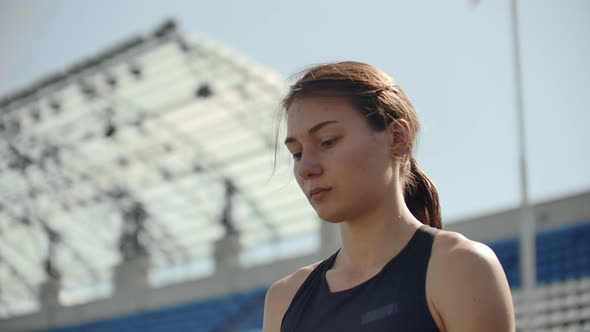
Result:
[[312, 130]]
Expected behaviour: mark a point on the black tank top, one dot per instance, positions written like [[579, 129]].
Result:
[[393, 300]]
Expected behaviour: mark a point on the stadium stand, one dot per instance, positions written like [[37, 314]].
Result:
[[561, 301], [562, 297]]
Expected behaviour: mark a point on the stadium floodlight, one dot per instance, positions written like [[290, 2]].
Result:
[[55, 105], [36, 114], [110, 130], [135, 70], [204, 91], [88, 90], [111, 80]]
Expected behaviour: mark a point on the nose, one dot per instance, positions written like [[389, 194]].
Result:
[[308, 167]]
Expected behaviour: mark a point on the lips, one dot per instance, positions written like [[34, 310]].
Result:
[[318, 193]]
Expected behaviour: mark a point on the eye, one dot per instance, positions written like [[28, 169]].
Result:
[[328, 143], [297, 156]]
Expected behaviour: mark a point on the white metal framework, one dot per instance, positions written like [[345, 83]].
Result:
[[159, 145]]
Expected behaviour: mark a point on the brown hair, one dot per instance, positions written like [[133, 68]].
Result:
[[376, 95]]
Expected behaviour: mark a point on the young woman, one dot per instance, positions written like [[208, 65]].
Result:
[[351, 130]]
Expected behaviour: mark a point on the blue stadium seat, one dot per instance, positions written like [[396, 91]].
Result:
[[562, 254], [202, 316]]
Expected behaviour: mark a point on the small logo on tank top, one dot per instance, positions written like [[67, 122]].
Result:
[[379, 313]]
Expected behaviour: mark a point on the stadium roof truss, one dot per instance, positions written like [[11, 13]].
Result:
[[167, 140]]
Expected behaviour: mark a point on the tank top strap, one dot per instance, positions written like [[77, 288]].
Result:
[[422, 244], [425, 235], [329, 262], [430, 230]]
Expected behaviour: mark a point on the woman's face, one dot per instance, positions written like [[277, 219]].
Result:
[[335, 150]]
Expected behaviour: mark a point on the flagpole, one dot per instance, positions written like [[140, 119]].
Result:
[[527, 218]]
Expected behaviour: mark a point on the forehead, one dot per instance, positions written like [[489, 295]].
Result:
[[310, 110]]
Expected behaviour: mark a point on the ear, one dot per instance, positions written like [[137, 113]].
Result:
[[399, 137]]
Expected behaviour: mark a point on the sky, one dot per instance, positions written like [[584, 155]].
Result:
[[454, 59]]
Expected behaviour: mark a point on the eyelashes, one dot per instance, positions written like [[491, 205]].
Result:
[[324, 144], [328, 142]]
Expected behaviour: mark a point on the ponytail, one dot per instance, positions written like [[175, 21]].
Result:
[[422, 197]]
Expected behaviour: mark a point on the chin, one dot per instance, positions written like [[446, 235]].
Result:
[[329, 216]]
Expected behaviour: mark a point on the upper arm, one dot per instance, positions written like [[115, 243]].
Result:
[[274, 307], [470, 290], [279, 297]]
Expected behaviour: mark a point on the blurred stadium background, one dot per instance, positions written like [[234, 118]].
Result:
[[137, 194]]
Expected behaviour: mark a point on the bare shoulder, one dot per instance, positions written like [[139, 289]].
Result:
[[289, 284], [456, 247], [280, 295], [467, 285], [457, 259]]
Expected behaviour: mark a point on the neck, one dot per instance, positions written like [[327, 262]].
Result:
[[375, 237]]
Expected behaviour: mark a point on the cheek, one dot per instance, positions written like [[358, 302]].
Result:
[[369, 166], [297, 178]]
